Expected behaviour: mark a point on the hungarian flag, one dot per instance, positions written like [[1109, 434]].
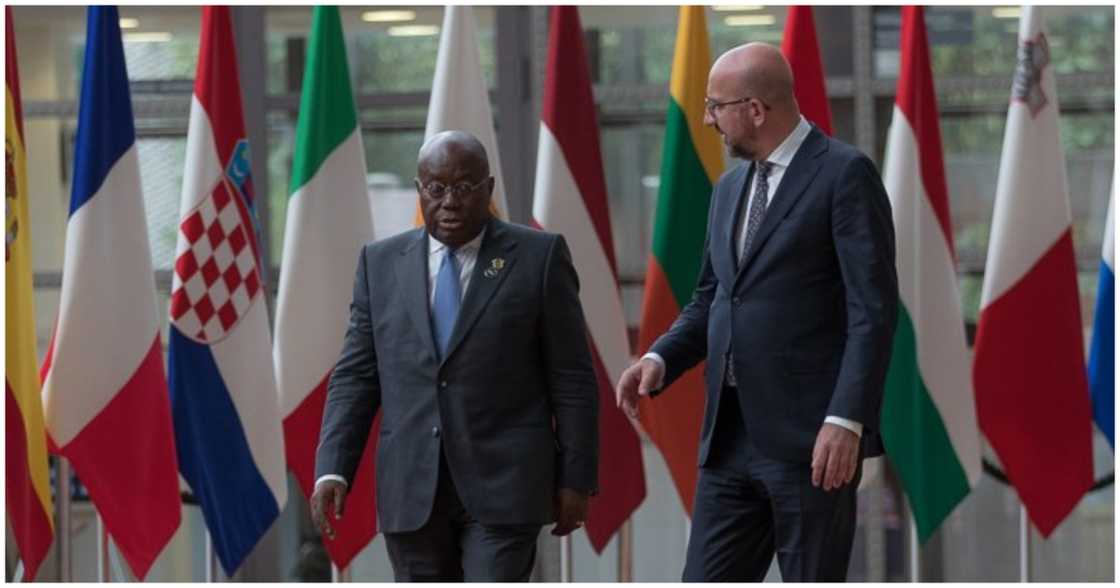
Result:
[[460, 99], [104, 390], [799, 45], [1032, 398], [929, 411], [328, 221], [30, 512], [1102, 358], [691, 162], [223, 391], [571, 199]]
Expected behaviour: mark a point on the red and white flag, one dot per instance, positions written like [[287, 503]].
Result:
[[1032, 396], [571, 199]]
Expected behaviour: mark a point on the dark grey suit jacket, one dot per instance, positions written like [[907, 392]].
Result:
[[514, 405], [810, 314]]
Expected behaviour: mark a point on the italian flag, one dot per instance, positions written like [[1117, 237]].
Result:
[[691, 163], [328, 221], [929, 414], [1032, 395]]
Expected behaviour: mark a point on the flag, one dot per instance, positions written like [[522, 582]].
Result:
[[929, 410], [30, 511], [799, 45], [328, 221], [691, 162], [224, 402], [1102, 358], [460, 99], [571, 199], [105, 395], [1032, 398]]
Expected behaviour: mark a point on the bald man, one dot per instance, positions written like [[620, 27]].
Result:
[[794, 311], [468, 336]]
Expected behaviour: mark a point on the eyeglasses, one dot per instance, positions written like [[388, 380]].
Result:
[[712, 106], [439, 189]]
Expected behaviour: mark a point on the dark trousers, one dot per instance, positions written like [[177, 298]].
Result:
[[749, 506], [453, 547]]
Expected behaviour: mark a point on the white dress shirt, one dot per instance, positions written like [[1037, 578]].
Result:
[[780, 160], [466, 255]]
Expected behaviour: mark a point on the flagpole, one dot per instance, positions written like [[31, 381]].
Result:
[[626, 551], [340, 575], [566, 558], [103, 572], [915, 561], [65, 551], [212, 572], [1024, 545]]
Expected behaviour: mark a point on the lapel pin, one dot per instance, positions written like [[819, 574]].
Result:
[[496, 265]]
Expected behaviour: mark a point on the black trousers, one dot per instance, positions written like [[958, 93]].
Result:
[[453, 547], [749, 506]]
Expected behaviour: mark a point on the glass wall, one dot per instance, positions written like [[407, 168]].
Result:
[[630, 51]]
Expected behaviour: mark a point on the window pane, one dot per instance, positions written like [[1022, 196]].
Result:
[[384, 57]]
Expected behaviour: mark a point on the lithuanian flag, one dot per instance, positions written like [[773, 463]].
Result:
[[690, 165], [28, 485]]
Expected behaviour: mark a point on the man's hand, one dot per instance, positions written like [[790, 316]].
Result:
[[570, 509], [329, 494], [638, 380], [835, 457]]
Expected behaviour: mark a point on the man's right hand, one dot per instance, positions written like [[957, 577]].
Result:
[[329, 496], [638, 380]]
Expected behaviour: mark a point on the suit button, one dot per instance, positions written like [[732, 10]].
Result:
[[735, 301], [435, 431], [443, 384]]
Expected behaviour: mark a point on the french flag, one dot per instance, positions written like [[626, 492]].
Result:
[[1102, 359], [104, 390], [223, 388]]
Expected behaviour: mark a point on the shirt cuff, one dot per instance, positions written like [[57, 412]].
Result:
[[334, 477], [852, 426], [661, 361]]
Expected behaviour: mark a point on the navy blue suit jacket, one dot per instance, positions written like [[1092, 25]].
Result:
[[811, 312]]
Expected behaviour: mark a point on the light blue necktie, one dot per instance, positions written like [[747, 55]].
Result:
[[445, 309]]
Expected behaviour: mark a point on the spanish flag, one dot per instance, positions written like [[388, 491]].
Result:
[[29, 494], [691, 163]]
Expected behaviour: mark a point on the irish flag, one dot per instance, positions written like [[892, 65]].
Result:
[[571, 199], [1032, 398], [929, 414], [30, 512], [691, 162], [328, 221]]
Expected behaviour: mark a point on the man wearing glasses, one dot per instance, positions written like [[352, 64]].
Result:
[[794, 311], [469, 336]]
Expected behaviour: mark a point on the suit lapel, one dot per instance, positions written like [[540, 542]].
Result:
[[488, 275], [412, 275], [725, 236], [802, 170]]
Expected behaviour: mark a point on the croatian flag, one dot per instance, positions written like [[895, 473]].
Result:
[[223, 388], [1102, 359], [104, 390]]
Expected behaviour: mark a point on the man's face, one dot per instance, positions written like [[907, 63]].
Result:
[[454, 196], [736, 122]]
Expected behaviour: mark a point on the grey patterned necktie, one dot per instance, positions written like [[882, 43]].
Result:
[[758, 206], [754, 220]]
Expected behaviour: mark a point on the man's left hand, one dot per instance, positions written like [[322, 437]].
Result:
[[835, 457], [571, 511]]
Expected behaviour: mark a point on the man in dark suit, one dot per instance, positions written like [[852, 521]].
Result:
[[468, 335], [794, 310]]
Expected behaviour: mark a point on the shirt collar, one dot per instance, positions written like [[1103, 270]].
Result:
[[783, 154], [435, 246]]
